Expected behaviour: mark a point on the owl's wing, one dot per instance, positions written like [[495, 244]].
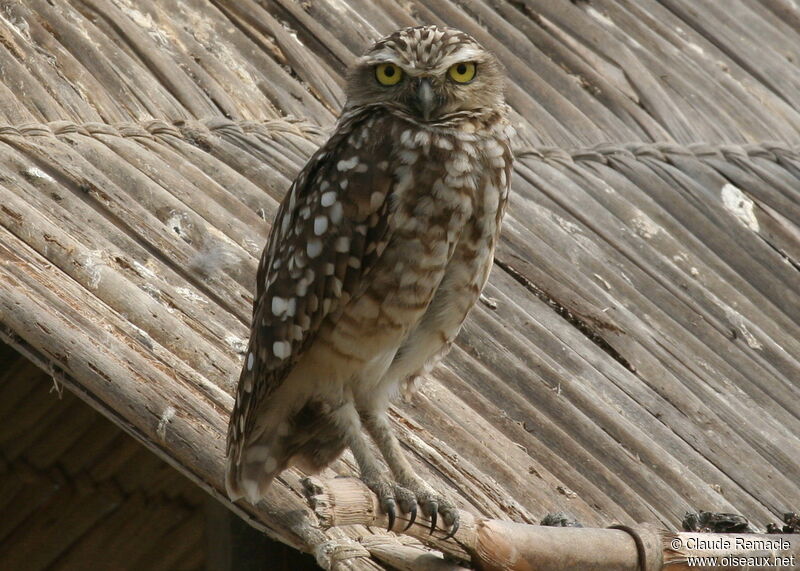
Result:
[[330, 229]]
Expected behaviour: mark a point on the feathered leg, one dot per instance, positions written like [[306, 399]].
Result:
[[373, 475], [378, 426]]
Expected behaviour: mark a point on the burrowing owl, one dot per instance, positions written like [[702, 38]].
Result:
[[380, 248]]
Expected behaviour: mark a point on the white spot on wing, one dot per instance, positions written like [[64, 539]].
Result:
[[279, 306], [348, 164], [320, 225], [281, 349], [336, 213], [328, 198], [314, 248], [342, 244], [291, 307]]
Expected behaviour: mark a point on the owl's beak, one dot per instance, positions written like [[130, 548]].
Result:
[[425, 98]]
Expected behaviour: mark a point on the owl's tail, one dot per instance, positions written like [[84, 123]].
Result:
[[310, 440], [251, 474]]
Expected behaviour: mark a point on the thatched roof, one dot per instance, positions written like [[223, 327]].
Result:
[[637, 352]]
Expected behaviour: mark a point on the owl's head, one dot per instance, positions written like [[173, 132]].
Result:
[[427, 73]]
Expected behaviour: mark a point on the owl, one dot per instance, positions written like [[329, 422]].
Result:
[[378, 252]]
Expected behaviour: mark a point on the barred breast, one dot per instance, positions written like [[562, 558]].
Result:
[[450, 195]]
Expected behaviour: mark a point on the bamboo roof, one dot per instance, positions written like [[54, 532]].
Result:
[[636, 352]]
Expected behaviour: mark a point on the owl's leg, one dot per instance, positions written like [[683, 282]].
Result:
[[377, 424], [372, 474]]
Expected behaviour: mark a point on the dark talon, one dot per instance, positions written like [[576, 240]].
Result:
[[413, 517], [452, 531], [433, 520], [390, 511]]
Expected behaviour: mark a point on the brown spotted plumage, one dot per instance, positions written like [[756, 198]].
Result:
[[378, 251]]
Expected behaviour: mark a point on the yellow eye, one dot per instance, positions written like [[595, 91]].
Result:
[[463, 72], [388, 74]]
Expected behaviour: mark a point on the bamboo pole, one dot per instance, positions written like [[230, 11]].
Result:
[[492, 544]]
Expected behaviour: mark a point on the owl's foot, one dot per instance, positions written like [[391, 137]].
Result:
[[434, 505], [393, 496]]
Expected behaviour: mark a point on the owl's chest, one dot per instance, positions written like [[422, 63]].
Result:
[[447, 205], [449, 187]]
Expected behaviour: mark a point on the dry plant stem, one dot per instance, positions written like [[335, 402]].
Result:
[[347, 501], [500, 545]]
